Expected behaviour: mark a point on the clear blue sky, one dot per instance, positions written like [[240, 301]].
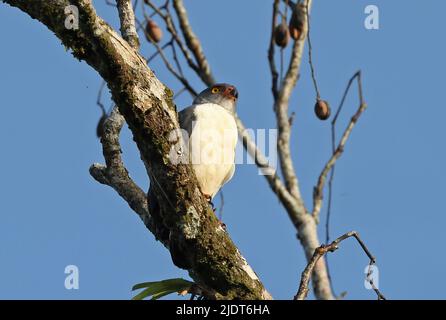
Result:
[[389, 183]]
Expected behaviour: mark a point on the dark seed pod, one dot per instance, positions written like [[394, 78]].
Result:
[[100, 126], [153, 31], [297, 21], [322, 109], [281, 35]]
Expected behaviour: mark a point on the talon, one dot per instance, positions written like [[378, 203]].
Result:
[[209, 199]]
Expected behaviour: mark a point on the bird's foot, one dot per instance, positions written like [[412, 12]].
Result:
[[209, 199]]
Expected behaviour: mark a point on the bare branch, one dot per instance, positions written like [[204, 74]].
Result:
[[333, 150], [318, 189], [304, 223], [156, 54], [291, 4], [170, 68], [281, 108], [114, 173], [321, 251], [271, 51], [193, 43], [127, 18], [310, 55], [269, 172], [173, 31], [98, 100]]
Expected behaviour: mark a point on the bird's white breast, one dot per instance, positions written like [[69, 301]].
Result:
[[212, 144]]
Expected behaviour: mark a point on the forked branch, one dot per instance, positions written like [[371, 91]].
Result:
[[339, 149], [333, 246]]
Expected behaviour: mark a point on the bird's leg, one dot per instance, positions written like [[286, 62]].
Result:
[[209, 199]]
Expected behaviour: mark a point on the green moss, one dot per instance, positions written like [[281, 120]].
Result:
[[169, 99]]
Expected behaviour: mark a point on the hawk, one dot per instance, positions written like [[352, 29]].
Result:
[[212, 136]]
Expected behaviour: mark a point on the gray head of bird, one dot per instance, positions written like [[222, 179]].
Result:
[[223, 94]]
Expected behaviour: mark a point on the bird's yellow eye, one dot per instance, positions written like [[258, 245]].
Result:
[[215, 90]]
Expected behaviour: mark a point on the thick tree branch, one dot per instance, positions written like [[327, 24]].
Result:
[[146, 104]]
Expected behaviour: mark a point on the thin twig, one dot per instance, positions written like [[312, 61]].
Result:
[[178, 93], [99, 98], [271, 51], [169, 66], [318, 189], [171, 28], [284, 17], [290, 3], [310, 55], [267, 170], [177, 61], [357, 75], [154, 55], [321, 251]]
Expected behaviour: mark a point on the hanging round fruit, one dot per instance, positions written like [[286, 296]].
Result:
[[297, 21], [281, 35], [322, 109], [153, 31]]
